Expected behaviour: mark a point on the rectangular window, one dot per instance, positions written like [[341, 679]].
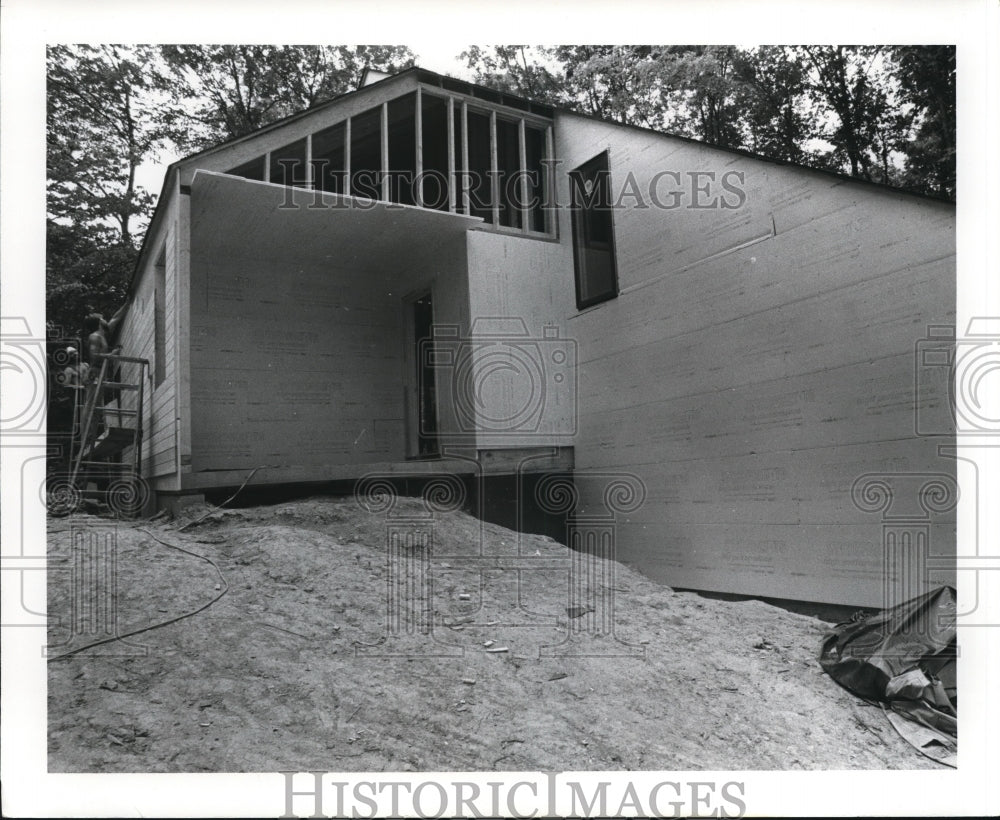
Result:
[[366, 154], [435, 151], [480, 167], [254, 169], [159, 322], [288, 165], [402, 149], [498, 162], [534, 145], [593, 233], [328, 159], [508, 173]]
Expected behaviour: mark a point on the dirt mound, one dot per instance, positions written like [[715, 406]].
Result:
[[326, 636]]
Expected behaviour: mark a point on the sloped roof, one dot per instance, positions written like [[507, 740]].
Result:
[[512, 101], [525, 104], [421, 74]]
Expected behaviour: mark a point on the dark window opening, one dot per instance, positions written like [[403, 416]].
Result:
[[366, 154], [254, 169], [402, 149], [480, 165], [377, 154], [487, 94], [427, 424], [593, 233], [159, 322], [515, 102], [534, 144], [454, 85], [434, 116], [288, 165], [508, 178], [328, 159]]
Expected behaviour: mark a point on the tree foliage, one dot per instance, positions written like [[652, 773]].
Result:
[[885, 114], [105, 117], [226, 91]]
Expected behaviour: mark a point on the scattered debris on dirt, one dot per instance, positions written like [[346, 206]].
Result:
[[291, 642]]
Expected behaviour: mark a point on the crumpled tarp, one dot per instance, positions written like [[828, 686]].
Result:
[[904, 659]]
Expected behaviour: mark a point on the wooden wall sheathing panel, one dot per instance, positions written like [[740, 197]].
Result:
[[757, 362], [137, 338], [297, 338], [530, 282]]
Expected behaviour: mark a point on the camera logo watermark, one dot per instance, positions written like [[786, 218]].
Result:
[[500, 379], [423, 620], [92, 574], [23, 365], [955, 379], [908, 504], [25, 456], [956, 383]]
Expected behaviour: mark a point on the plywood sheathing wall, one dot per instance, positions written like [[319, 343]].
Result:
[[756, 363]]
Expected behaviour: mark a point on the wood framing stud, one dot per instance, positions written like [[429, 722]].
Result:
[[494, 172], [523, 166], [465, 157], [347, 157], [309, 164], [451, 155], [385, 152], [418, 127]]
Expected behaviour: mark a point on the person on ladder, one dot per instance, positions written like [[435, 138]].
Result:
[[100, 334]]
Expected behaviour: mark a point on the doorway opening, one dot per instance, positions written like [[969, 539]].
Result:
[[422, 322]]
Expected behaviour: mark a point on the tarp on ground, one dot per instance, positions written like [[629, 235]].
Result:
[[904, 659]]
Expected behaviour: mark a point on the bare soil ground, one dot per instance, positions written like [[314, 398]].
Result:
[[295, 667]]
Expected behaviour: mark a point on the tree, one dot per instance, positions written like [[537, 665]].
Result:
[[844, 83], [105, 117], [926, 76], [886, 114], [519, 70], [226, 91], [776, 118], [618, 83]]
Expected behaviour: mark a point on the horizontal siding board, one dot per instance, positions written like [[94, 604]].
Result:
[[138, 339], [844, 564], [749, 387], [297, 358]]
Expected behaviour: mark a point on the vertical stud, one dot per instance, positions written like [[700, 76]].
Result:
[[309, 181], [451, 154], [418, 120], [549, 183], [522, 159], [385, 152], [465, 156], [494, 172], [347, 157]]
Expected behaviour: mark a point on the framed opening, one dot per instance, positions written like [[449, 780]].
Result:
[[254, 169], [402, 148], [593, 233], [434, 117], [366, 154], [288, 165], [422, 396], [328, 159], [160, 320]]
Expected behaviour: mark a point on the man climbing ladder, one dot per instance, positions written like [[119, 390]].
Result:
[[107, 443]]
